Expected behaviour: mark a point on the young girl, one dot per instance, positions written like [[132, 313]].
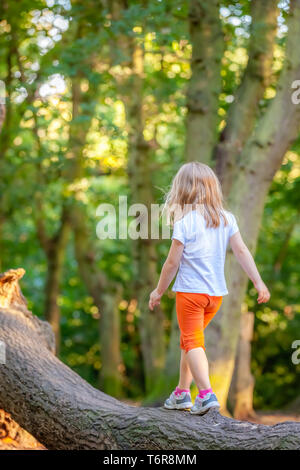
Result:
[[202, 229]]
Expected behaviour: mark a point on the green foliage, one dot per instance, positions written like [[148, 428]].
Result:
[[276, 324], [41, 45]]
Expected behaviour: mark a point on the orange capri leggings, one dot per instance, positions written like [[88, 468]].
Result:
[[194, 312]]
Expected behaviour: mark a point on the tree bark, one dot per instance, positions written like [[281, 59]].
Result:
[[242, 385], [12, 436], [243, 112], [63, 411], [205, 82], [262, 155]]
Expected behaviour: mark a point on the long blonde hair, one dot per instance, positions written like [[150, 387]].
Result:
[[196, 186]]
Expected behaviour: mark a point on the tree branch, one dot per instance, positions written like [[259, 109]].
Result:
[[283, 249], [243, 111], [205, 83], [278, 128], [63, 411]]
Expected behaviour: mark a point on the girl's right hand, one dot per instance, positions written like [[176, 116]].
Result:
[[263, 292]]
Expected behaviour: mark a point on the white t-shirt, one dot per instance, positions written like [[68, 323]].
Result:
[[201, 267]]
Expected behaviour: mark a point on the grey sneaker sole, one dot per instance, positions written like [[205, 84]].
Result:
[[202, 411], [180, 406]]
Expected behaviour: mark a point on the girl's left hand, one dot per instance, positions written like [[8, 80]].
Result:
[[154, 299]]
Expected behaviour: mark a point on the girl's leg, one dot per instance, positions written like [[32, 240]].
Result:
[[196, 357], [211, 310], [198, 365], [186, 377], [180, 398]]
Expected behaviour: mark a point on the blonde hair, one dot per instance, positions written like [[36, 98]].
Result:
[[196, 186]]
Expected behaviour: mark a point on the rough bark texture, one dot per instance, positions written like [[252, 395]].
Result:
[[13, 437], [205, 83], [64, 412]]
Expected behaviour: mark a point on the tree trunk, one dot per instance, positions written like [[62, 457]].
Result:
[[55, 255], [169, 376], [144, 250], [205, 82], [110, 340], [96, 282], [54, 248], [106, 296], [63, 411], [243, 112], [258, 161], [52, 291], [12, 436], [140, 175], [53, 245], [242, 385]]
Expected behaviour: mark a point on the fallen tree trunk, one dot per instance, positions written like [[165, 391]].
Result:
[[13, 437], [63, 411]]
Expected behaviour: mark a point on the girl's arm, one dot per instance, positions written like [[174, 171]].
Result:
[[168, 272], [246, 260]]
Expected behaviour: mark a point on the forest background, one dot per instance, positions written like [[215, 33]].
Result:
[[109, 98]]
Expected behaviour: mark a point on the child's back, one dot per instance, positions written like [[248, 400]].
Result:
[[202, 263]]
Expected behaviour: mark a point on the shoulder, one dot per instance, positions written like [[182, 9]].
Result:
[[232, 223], [230, 217], [184, 218]]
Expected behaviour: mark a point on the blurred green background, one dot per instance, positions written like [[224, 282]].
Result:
[[48, 51]]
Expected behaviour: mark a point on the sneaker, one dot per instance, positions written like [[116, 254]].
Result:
[[202, 405], [181, 401]]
